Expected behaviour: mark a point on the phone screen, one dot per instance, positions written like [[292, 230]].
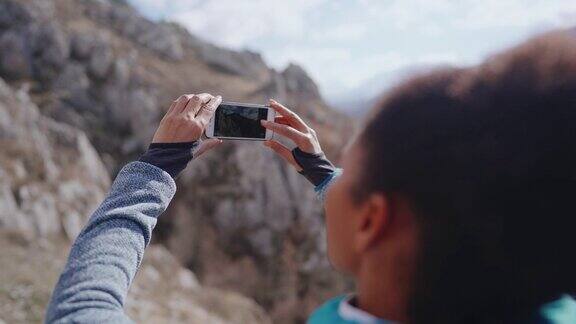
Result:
[[239, 121]]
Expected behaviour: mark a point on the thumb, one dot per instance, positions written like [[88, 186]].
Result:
[[206, 146]]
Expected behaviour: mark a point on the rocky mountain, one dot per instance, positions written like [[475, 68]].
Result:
[[45, 197], [84, 85]]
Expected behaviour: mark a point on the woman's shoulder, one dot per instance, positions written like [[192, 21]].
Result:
[[328, 312], [560, 311]]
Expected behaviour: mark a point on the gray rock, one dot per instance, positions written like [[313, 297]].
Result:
[[13, 14], [101, 61], [81, 45], [297, 80], [6, 129], [72, 224], [39, 206], [90, 161], [37, 196], [51, 49], [72, 79], [9, 210], [263, 241], [159, 38], [135, 110], [49, 170], [275, 87], [245, 63], [122, 71], [15, 56], [19, 171], [187, 280]]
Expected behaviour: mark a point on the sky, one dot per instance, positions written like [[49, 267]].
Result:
[[344, 44]]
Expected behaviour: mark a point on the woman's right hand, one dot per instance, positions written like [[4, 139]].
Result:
[[290, 125]]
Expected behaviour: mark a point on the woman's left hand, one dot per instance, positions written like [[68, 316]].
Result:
[[289, 125], [187, 119]]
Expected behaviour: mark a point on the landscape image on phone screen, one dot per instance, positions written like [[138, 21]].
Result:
[[238, 121]]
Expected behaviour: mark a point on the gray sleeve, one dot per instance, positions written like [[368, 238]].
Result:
[[107, 253]]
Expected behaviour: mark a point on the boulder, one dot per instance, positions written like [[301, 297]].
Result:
[[10, 215], [73, 78], [101, 60], [50, 49], [15, 56], [13, 14]]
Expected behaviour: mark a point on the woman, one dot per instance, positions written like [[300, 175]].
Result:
[[455, 205]]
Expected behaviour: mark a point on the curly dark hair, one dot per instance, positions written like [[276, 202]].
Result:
[[487, 156]]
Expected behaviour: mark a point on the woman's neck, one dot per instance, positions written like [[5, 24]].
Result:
[[383, 284], [382, 298]]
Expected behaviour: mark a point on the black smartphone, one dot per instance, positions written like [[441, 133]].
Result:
[[240, 121]]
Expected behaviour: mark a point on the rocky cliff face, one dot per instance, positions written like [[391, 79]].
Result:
[[47, 170], [242, 220], [51, 178]]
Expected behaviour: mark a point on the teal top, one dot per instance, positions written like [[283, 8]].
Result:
[[339, 311], [333, 312], [560, 311]]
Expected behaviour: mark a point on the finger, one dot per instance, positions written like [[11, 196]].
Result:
[[284, 152], [291, 116], [287, 131], [205, 97], [182, 103], [193, 106], [282, 120], [208, 110], [206, 146], [171, 109]]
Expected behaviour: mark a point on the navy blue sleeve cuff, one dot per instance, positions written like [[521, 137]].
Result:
[[170, 157], [315, 167]]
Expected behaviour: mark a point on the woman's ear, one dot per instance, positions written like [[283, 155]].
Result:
[[372, 221]]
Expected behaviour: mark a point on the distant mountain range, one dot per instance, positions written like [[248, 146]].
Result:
[[361, 99]]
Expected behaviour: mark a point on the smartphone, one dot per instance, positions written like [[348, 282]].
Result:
[[239, 121]]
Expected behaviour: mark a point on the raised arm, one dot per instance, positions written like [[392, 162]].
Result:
[[307, 158], [107, 253]]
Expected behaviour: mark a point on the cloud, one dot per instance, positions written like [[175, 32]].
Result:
[[340, 33], [235, 23], [470, 14]]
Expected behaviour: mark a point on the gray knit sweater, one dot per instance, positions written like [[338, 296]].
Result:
[[107, 253]]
